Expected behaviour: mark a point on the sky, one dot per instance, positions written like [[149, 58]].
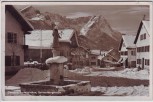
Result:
[[122, 18]]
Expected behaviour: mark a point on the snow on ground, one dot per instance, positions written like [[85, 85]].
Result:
[[127, 73], [28, 75], [125, 91], [131, 73]]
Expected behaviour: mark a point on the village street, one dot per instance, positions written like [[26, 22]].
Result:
[[49, 54], [104, 81]]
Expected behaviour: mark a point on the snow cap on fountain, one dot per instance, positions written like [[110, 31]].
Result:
[[57, 59]]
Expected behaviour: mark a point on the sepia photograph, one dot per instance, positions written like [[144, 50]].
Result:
[[77, 49]]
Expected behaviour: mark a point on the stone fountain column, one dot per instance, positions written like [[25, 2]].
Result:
[[56, 62]]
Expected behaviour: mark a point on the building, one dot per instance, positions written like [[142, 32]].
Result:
[[80, 57], [142, 42], [16, 26], [40, 39], [101, 58], [34, 53], [127, 51]]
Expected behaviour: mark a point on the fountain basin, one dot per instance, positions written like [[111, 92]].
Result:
[[48, 88]]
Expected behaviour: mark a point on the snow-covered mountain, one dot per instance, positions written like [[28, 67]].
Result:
[[93, 32], [102, 24]]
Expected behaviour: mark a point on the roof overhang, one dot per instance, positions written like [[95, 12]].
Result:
[[26, 26]]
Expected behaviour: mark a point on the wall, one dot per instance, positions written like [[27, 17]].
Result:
[[65, 49], [93, 60], [140, 43], [79, 59], [131, 58], [13, 26], [34, 54]]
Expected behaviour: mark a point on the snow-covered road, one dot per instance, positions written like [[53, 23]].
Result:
[[123, 91], [131, 73]]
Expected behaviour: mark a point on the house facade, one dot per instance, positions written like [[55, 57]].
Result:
[[16, 26], [101, 58], [40, 39], [127, 51], [142, 42], [80, 57]]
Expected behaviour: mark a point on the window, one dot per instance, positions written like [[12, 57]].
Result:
[[138, 50], [143, 49], [126, 53], [93, 63], [17, 60], [146, 48], [138, 61], [61, 53], [7, 60], [12, 37], [144, 35], [141, 37], [146, 61], [133, 53], [93, 57], [10, 61]]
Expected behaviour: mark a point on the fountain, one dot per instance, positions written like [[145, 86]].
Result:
[[56, 85]]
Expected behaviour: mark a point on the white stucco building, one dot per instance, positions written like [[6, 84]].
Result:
[[142, 42], [127, 51]]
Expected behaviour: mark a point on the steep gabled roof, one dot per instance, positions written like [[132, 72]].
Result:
[[26, 8], [34, 39], [128, 40], [26, 26], [147, 27]]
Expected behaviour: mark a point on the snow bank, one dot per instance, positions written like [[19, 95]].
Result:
[[132, 73], [11, 88], [57, 59], [125, 91], [28, 75], [84, 71]]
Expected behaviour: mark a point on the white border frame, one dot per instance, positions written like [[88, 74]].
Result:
[[76, 98]]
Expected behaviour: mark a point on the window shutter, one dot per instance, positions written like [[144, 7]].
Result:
[[9, 37], [17, 61], [7, 60], [15, 38]]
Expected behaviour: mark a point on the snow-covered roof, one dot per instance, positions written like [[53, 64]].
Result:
[[98, 52], [122, 59], [34, 39], [147, 26], [38, 17], [129, 41]]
